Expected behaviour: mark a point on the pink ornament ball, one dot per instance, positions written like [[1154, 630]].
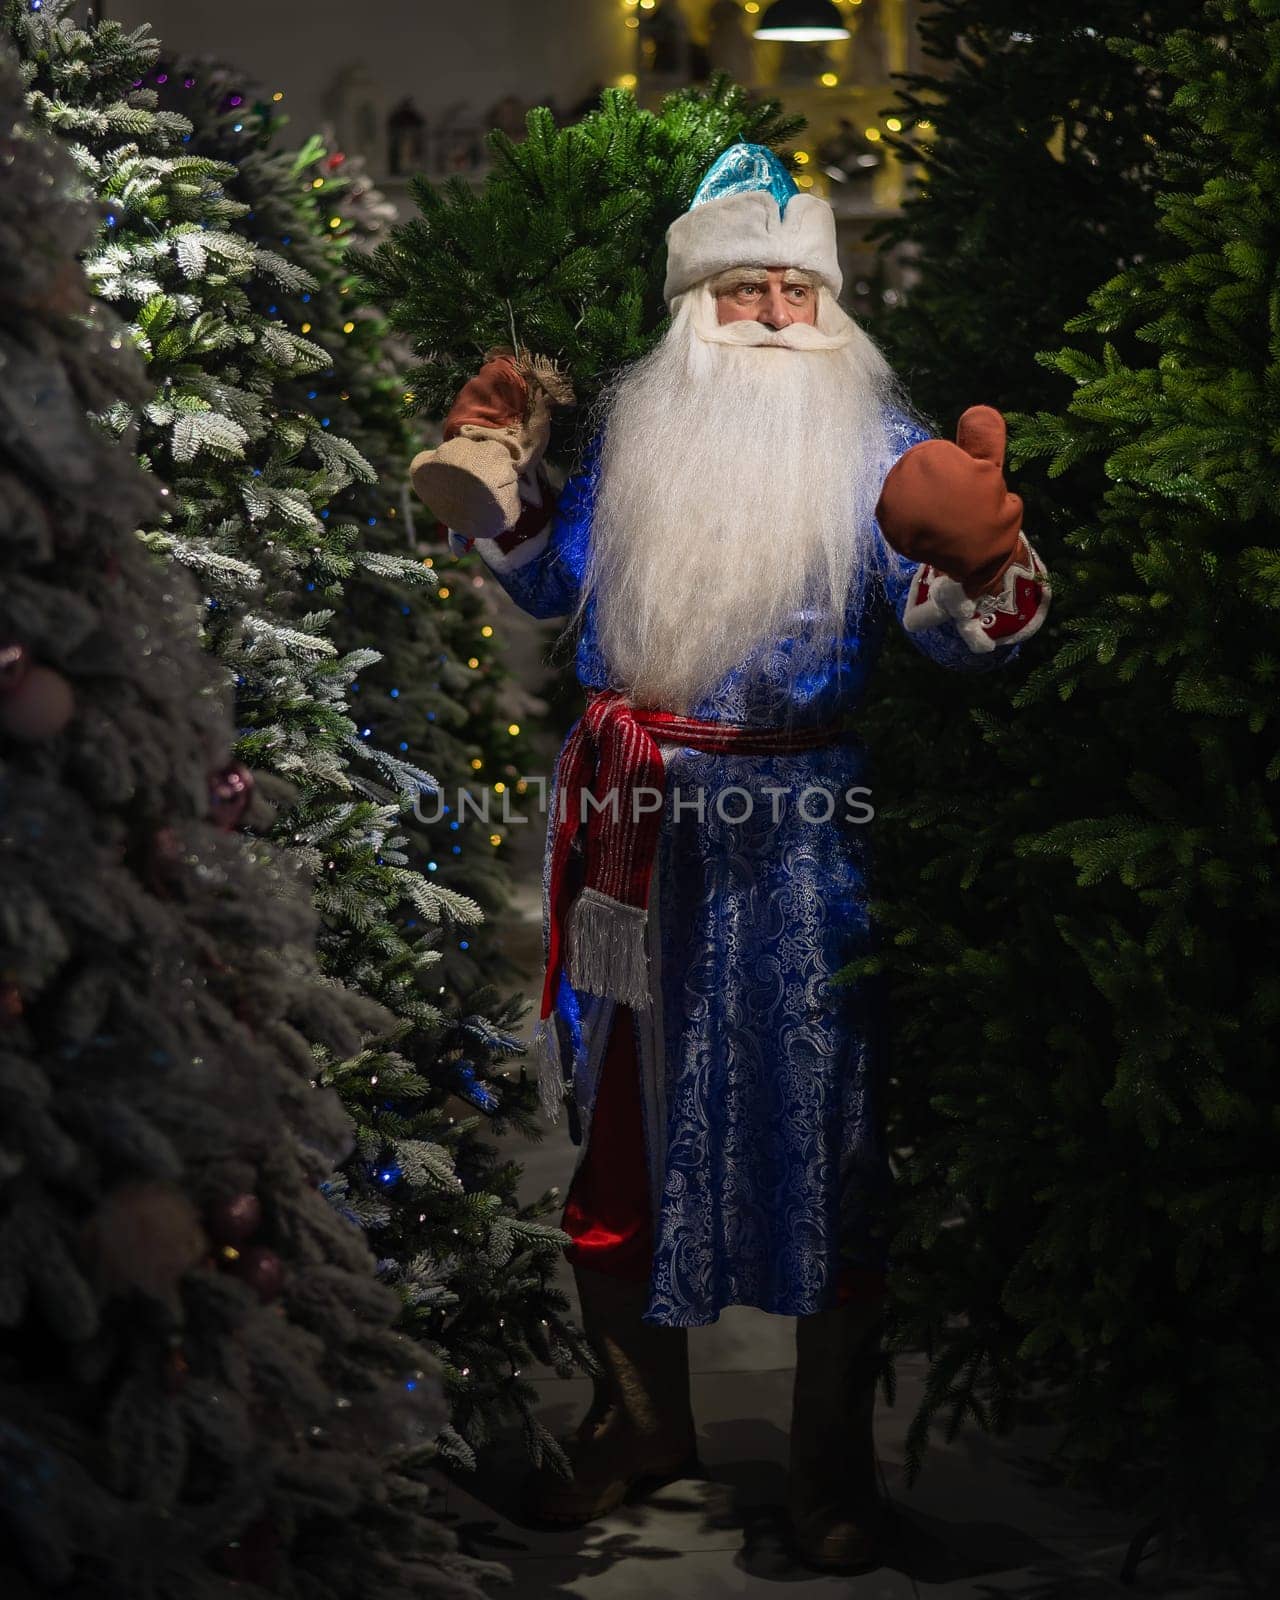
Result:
[[230, 792], [39, 707]]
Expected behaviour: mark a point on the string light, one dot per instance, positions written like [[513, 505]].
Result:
[[348, 327], [513, 729], [802, 158], [486, 632], [873, 134], [306, 327], [495, 838], [476, 763], [828, 80], [444, 593], [804, 182], [894, 124], [317, 183], [278, 95], [473, 662], [627, 81]]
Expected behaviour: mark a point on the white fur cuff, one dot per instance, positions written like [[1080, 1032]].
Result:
[[1005, 617]]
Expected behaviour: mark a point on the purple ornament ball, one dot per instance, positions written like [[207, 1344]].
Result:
[[235, 1220]]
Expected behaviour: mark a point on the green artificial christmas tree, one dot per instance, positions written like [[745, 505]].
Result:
[[1080, 909], [1032, 146], [561, 251], [1036, 180], [200, 1390], [249, 479]]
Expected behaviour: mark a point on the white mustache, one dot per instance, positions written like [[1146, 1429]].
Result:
[[797, 336]]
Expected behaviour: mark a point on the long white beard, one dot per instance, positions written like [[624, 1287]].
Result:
[[740, 468]]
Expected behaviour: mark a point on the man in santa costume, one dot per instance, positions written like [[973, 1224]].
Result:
[[757, 506]]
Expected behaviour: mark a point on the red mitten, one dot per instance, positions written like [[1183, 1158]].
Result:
[[947, 506], [483, 478]]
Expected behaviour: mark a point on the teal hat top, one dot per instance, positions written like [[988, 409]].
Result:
[[746, 169]]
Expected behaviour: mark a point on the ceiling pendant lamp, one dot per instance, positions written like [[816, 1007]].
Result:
[[801, 22]]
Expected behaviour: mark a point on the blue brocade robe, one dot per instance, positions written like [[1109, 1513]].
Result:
[[761, 1080]]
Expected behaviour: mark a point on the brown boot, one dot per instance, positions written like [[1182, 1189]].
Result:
[[639, 1428], [833, 1495]]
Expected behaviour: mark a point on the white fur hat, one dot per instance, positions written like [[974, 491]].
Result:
[[748, 213]]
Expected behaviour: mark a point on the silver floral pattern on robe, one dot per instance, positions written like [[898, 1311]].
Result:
[[761, 1080]]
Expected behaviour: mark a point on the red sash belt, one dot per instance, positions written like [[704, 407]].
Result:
[[611, 757]]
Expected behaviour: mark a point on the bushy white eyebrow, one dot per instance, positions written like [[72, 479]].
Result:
[[736, 275], [733, 276]]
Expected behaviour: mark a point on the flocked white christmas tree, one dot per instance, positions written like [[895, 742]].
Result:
[[201, 1392]]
